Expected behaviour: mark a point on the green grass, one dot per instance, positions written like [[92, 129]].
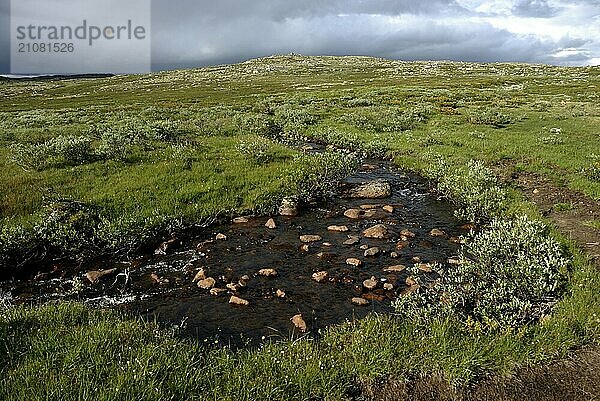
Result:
[[194, 144]]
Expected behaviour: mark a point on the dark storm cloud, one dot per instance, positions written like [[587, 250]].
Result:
[[534, 8], [4, 36]]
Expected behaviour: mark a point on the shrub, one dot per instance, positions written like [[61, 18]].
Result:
[[474, 187], [293, 120], [508, 275], [388, 119], [61, 150], [30, 156], [115, 145], [259, 150], [490, 117], [73, 150]]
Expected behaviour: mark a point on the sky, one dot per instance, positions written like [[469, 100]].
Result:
[[189, 33]]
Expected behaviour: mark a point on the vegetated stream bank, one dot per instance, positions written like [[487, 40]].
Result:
[[334, 261]]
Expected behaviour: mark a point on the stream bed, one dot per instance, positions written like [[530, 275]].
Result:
[[305, 265]]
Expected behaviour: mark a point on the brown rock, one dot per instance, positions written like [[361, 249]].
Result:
[[372, 252], [369, 213], [270, 224], [96, 275], [352, 240], [402, 244], [370, 207], [267, 272], [233, 287], [339, 229], [410, 281], [407, 233], [388, 286], [320, 277], [240, 220], [425, 268], [378, 231], [200, 275], [394, 269], [370, 284], [327, 244], [353, 262], [207, 283], [217, 291], [372, 190], [436, 233], [221, 237], [305, 248], [364, 247], [158, 280], [299, 322], [374, 297], [416, 259], [353, 213], [388, 208], [280, 293], [360, 301], [394, 255], [310, 238], [238, 301]]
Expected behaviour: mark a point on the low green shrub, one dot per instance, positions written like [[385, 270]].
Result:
[[61, 150], [474, 187], [491, 117], [510, 274]]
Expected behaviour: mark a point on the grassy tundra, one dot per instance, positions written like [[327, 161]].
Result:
[[102, 166]]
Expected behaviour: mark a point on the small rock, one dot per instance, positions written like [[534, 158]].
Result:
[[388, 286], [353, 262], [207, 283], [310, 238], [378, 231], [360, 301], [280, 293], [200, 275], [455, 240], [370, 207], [289, 206], [364, 247], [394, 269], [305, 248], [372, 190], [221, 237], [267, 272], [158, 280], [270, 224], [240, 220], [467, 227], [425, 268], [372, 251], [374, 297], [243, 281], [339, 229], [96, 275], [233, 287], [217, 291], [536, 191], [454, 261], [394, 255], [238, 301], [370, 284], [407, 234], [327, 244], [353, 213], [299, 322], [369, 213], [410, 282], [416, 259], [388, 208], [352, 240], [320, 277], [437, 233], [402, 244], [41, 277]]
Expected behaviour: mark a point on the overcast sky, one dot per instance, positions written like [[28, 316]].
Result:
[[189, 33]]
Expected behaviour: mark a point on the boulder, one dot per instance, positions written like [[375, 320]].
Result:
[[353, 213], [338, 229], [372, 190], [370, 284], [320, 277], [200, 275], [353, 262], [207, 283], [237, 301], [360, 301], [299, 322], [352, 240], [372, 251], [310, 238], [388, 208], [378, 231], [394, 269], [270, 224], [267, 272]]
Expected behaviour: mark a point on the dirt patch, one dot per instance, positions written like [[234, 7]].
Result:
[[569, 210], [574, 379]]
